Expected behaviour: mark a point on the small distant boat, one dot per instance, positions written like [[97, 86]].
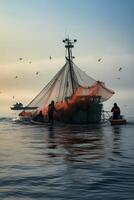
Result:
[[17, 106], [118, 121]]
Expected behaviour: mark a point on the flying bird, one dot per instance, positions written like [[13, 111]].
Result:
[[120, 69], [99, 59], [50, 57], [37, 73], [20, 58]]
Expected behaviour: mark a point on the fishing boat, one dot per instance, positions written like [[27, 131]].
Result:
[[78, 97], [17, 106]]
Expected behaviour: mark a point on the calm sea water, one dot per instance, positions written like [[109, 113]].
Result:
[[79, 162]]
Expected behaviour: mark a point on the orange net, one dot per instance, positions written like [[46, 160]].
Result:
[[80, 99]]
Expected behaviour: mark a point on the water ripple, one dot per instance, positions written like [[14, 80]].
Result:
[[66, 162]]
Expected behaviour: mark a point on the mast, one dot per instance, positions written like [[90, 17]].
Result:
[[69, 45]]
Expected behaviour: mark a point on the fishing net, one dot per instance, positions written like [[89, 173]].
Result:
[[69, 88]]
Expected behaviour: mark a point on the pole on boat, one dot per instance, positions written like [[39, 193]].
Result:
[[69, 45]]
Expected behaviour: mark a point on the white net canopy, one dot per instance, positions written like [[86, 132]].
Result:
[[70, 81]]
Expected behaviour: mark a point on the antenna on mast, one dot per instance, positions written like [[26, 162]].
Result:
[[69, 44]]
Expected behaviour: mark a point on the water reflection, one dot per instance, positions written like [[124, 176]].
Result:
[[66, 162], [51, 137], [51, 141], [116, 139], [76, 143]]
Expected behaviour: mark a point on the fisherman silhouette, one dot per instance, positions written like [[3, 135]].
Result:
[[51, 109], [116, 111]]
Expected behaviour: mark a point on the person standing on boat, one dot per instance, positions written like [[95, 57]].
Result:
[[51, 110], [116, 111]]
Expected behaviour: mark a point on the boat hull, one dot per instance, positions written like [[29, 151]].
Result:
[[37, 122], [118, 122], [81, 113]]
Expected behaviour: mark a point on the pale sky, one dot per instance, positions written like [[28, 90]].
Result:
[[34, 30]]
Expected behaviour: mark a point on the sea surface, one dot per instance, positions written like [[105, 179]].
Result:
[[69, 162]]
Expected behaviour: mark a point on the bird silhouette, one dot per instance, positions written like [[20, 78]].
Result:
[[120, 69], [50, 57], [99, 59], [37, 73], [20, 58]]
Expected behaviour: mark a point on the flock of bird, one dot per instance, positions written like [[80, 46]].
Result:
[[37, 73], [30, 62], [100, 59]]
